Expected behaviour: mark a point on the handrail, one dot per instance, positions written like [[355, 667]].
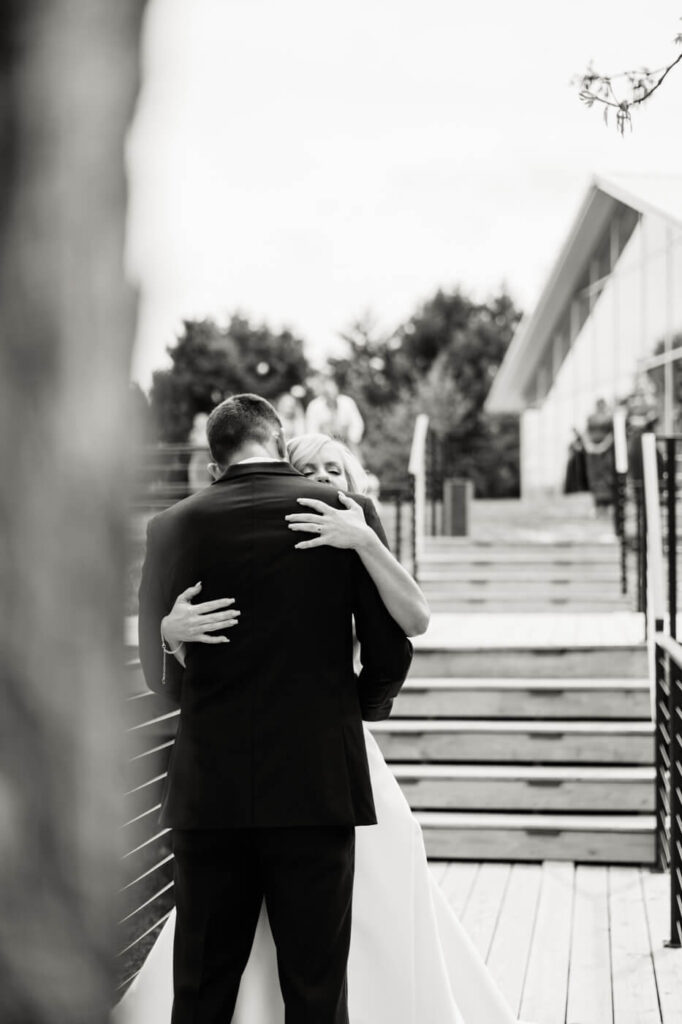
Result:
[[655, 610], [417, 463], [620, 450], [417, 470], [620, 442], [671, 647]]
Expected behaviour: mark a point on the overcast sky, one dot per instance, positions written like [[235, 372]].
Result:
[[305, 161]]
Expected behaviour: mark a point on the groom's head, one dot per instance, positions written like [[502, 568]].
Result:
[[242, 427]]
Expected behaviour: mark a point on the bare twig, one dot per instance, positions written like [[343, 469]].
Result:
[[596, 88]]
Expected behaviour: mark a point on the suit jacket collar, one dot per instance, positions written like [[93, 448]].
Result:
[[242, 469]]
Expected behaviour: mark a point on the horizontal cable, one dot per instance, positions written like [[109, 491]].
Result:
[[145, 934], [127, 981], [156, 807], [143, 785], [154, 721], [146, 903], [139, 696], [149, 871], [163, 832], [665, 800], [154, 750]]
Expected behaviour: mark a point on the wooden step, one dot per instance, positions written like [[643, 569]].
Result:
[[462, 598], [531, 592], [523, 698], [622, 662], [518, 788], [493, 741], [538, 606], [456, 549], [522, 573], [607, 839]]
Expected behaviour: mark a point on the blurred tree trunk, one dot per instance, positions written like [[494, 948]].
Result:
[[69, 79]]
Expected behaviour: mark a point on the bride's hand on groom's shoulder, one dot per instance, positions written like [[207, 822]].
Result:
[[334, 527], [197, 623]]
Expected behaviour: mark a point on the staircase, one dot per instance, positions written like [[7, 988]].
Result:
[[527, 753], [549, 555]]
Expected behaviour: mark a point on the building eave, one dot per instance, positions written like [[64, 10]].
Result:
[[644, 195]]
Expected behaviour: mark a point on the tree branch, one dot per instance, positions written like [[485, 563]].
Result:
[[598, 88]]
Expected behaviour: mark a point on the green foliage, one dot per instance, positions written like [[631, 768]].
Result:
[[466, 342], [442, 361], [210, 362]]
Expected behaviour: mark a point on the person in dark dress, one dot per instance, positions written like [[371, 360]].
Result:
[[598, 442], [576, 467]]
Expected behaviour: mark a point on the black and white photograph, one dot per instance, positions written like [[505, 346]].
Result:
[[341, 442]]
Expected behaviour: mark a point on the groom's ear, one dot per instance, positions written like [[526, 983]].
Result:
[[214, 470], [281, 444]]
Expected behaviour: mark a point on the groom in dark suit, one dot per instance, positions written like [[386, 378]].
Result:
[[269, 775]]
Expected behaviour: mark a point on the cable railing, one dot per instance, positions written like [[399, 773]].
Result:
[[667, 659], [668, 700], [146, 897]]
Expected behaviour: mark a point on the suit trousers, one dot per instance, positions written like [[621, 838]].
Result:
[[305, 875]]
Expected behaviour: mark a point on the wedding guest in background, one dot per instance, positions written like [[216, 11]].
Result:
[[292, 415], [598, 442], [198, 475], [576, 467], [333, 413], [642, 416]]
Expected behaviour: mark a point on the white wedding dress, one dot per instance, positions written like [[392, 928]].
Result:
[[411, 962]]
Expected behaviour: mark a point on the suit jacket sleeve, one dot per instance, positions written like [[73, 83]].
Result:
[[153, 605], [385, 651]]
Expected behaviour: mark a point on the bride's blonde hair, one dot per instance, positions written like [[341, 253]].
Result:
[[306, 447]]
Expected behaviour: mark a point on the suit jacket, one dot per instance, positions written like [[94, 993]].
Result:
[[270, 730]]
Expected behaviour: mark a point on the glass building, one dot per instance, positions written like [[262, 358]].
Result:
[[610, 312]]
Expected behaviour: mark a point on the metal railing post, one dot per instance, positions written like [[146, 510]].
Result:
[[414, 530], [655, 606], [620, 490], [675, 803], [433, 478], [417, 472], [641, 546], [671, 500], [661, 663]]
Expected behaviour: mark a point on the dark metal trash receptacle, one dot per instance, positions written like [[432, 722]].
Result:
[[457, 496]]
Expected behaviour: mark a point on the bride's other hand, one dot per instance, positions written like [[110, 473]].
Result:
[[335, 527], [195, 623]]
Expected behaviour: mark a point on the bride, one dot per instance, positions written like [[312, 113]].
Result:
[[411, 962]]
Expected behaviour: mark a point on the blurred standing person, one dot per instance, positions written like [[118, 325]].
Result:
[[335, 414], [198, 475], [598, 443], [576, 467], [292, 415], [642, 416]]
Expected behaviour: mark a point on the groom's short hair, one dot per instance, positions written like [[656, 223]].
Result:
[[238, 420]]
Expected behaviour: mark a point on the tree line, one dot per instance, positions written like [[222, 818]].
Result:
[[442, 360]]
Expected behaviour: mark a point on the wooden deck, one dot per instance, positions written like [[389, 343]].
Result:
[[571, 944]]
